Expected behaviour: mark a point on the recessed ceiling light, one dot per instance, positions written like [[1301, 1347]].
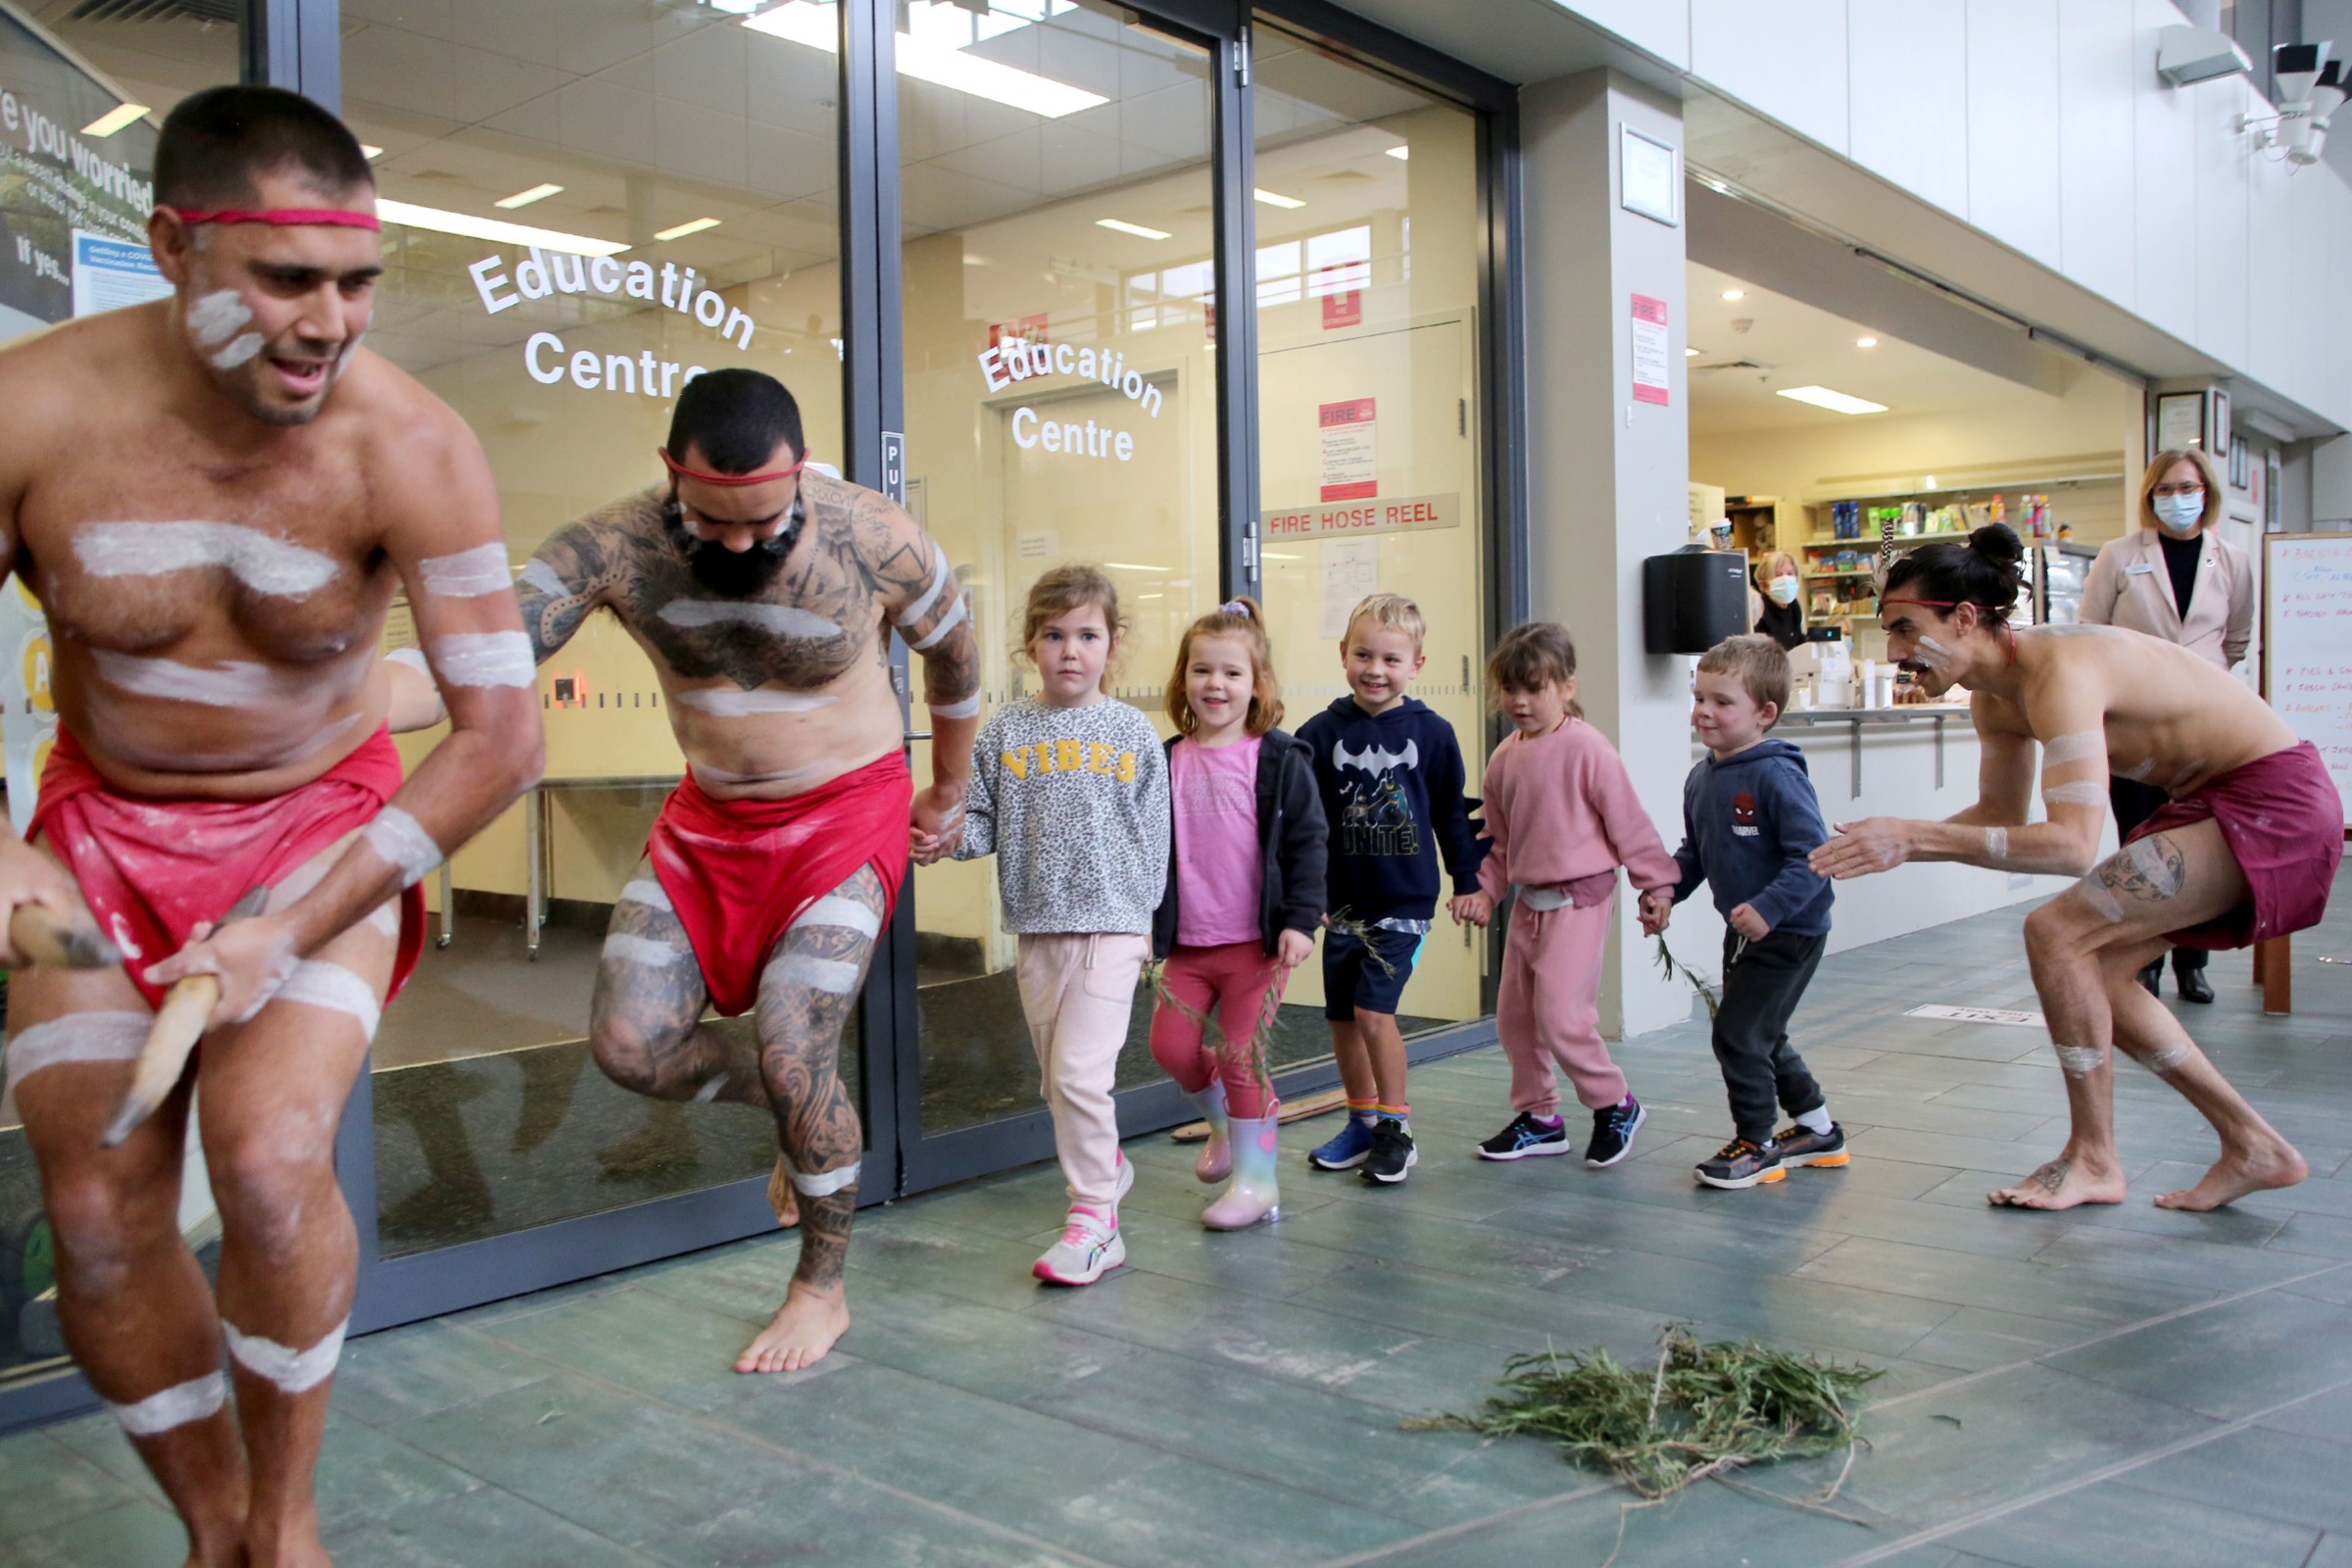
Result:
[[1137, 230], [1689, 353], [1272, 200], [691, 227], [1131, 565], [1866, 342], [816, 27], [114, 120], [1400, 153], [524, 198], [370, 152], [1734, 293], [497, 230], [1821, 397]]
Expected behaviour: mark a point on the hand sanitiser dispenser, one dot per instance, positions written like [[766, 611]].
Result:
[[1693, 598]]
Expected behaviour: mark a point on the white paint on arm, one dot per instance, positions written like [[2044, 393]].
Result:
[[402, 840], [467, 574], [913, 613], [411, 659], [484, 659], [2082, 792], [2081, 746], [541, 577], [1997, 845], [969, 708], [947, 623]]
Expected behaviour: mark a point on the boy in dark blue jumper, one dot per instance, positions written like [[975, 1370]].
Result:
[[1391, 775], [1749, 820]]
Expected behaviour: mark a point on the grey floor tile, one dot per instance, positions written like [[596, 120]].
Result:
[[43, 1484], [2275, 1475], [135, 1534], [1706, 1524], [487, 1528], [2089, 1528], [2227, 1362]]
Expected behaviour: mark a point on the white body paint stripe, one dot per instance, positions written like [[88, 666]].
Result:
[[293, 1371], [648, 892], [261, 561], [237, 683], [2168, 1059], [832, 976], [539, 575], [915, 612], [1997, 844], [243, 347], [403, 842], [777, 620], [2095, 892], [2083, 743], [385, 918], [2151, 864], [75, 1036], [484, 659], [410, 659], [846, 914], [214, 319], [969, 708], [642, 950], [320, 984], [2079, 1061], [727, 702], [2139, 774], [2081, 792], [947, 623], [825, 1182], [711, 1088], [468, 573], [197, 1399]]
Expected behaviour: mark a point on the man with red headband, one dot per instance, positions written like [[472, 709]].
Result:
[[763, 591], [2246, 848], [216, 497]]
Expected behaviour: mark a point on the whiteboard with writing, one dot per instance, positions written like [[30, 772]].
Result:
[[2306, 645]]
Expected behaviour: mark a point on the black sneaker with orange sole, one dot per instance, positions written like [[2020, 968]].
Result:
[[1802, 1145], [1740, 1164]]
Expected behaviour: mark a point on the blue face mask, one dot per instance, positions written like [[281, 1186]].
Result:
[[1783, 590], [2181, 514]]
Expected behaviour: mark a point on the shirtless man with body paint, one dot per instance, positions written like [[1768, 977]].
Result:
[[214, 497], [763, 591], [2246, 849]]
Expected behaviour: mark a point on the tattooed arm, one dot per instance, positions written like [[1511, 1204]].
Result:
[[921, 597], [568, 576]]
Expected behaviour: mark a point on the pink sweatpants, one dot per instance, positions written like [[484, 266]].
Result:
[[1077, 991], [1235, 984], [1548, 1009]]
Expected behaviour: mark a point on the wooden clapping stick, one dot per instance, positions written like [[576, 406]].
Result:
[[43, 936], [178, 1024]]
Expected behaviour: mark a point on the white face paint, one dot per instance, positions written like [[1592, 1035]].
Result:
[[947, 623], [75, 1036], [969, 708], [2079, 1061], [293, 1371], [726, 702], [1934, 653], [630, 948], [318, 983], [484, 659], [2074, 747], [825, 1182], [214, 319], [403, 842], [2081, 792], [467, 574], [241, 348], [648, 892], [539, 575], [840, 914], [234, 684], [261, 561], [197, 1399], [1997, 844], [777, 620]]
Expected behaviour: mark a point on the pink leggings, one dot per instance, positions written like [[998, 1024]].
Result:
[[1235, 984]]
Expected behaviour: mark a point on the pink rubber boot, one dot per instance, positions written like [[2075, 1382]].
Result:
[[1216, 1155], [1253, 1197]]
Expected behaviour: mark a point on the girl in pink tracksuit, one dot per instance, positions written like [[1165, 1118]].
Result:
[[1562, 816]]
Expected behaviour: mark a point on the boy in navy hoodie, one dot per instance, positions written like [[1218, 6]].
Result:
[[1749, 820], [1389, 772]]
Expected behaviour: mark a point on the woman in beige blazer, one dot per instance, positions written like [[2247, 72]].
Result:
[[2173, 577]]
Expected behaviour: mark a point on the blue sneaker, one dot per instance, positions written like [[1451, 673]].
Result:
[[1348, 1147], [1527, 1138]]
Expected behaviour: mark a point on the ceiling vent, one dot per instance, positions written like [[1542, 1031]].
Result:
[[158, 10]]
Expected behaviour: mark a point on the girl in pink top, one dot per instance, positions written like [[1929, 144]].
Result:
[[1562, 816], [1244, 899]]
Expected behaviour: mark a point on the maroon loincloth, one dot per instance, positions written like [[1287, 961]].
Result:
[[2284, 821]]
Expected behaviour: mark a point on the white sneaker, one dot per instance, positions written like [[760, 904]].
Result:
[[1090, 1248]]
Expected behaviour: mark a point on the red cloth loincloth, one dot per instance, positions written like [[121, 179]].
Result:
[[2283, 820], [740, 872], [151, 870]]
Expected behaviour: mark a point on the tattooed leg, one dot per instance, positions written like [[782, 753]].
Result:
[[805, 994], [645, 1024]]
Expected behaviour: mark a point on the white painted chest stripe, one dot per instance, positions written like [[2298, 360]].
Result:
[[320, 984], [263, 563], [777, 620], [292, 1370], [197, 1399], [467, 574], [727, 702], [484, 659], [915, 612], [75, 1036], [237, 683], [845, 914]]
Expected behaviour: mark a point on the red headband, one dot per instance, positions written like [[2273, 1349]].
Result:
[[729, 480], [279, 217], [1932, 604]]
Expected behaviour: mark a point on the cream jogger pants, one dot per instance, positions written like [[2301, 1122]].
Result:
[[1078, 991]]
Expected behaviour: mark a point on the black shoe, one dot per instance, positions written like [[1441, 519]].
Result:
[[1740, 1164], [2152, 977], [1799, 1144], [1525, 1138], [1393, 1151], [1613, 1132], [2190, 983]]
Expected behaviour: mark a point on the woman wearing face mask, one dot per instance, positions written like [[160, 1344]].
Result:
[[1781, 617], [2173, 577]]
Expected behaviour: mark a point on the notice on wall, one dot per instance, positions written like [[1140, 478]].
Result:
[[1351, 466], [1651, 366], [1350, 570], [1037, 544], [1344, 309], [1401, 515], [2307, 651], [110, 273]]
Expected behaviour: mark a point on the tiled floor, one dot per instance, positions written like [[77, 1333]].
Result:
[[2121, 1386]]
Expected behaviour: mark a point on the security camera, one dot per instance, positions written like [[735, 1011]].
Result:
[[2311, 88], [2185, 55]]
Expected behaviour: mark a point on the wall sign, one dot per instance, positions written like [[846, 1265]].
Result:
[[1646, 177], [1401, 515], [108, 273], [1350, 576], [1344, 309], [1351, 459], [1651, 363]]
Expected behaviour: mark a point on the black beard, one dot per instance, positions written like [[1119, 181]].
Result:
[[732, 573]]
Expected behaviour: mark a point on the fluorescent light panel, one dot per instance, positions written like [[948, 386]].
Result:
[[1131, 566], [1137, 230], [815, 27], [1866, 342], [1273, 200], [1821, 397], [1401, 154], [681, 230], [524, 198], [114, 120], [370, 152], [497, 230]]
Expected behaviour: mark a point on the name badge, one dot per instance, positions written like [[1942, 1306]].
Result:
[[2139, 570]]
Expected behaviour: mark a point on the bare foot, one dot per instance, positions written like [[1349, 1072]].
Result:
[[802, 1330], [2060, 1183], [782, 1197], [2234, 1175]]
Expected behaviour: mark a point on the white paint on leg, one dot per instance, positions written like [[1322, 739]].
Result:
[[293, 1371], [630, 948], [484, 659], [832, 976], [648, 892], [468, 573], [403, 842], [825, 1182], [261, 561], [75, 1036], [726, 702], [2095, 892], [318, 983], [197, 1399], [846, 914], [2147, 859], [2079, 1061], [2168, 1058], [385, 918]]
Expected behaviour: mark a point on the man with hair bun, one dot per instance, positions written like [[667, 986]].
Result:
[[216, 496], [2246, 849]]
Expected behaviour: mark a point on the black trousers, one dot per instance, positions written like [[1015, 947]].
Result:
[[1762, 983], [2135, 803]]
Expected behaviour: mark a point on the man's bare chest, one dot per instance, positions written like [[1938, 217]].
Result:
[[814, 624]]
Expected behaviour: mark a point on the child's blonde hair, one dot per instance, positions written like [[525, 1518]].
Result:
[[1394, 612], [1240, 619], [1531, 658], [1066, 588], [1760, 664]]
